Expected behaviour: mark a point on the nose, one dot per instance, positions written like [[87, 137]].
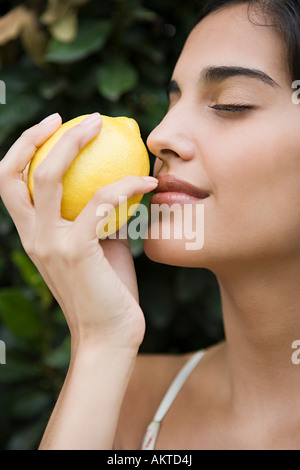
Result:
[[173, 137]]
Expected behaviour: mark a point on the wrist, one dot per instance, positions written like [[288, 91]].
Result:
[[97, 347], [92, 340]]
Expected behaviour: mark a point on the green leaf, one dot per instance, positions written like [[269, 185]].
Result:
[[144, 14], [26, 438], [28, 403], [137, 244], [2, 265], [19, 110], [6, 223], [17, 370], [65, 28], [136, 40], [50, 88], [28, 270], [83, 85], [18, 313], [136, 247], [59, 358], [90, 38], [32, 277], [115, 77]]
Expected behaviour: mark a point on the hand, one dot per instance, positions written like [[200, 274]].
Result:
[[93, 281]]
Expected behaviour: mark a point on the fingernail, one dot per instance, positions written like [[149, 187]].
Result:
[[91, 119], [150, 179], [50, 118]]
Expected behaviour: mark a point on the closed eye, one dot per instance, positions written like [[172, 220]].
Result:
[[232, 107]]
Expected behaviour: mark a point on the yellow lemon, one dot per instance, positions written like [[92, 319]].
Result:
[[116, 152]]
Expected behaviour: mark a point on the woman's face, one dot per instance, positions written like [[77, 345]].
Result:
[[246, 159]]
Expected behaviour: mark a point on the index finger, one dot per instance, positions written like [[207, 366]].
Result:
[[25, 147], [13, 189]]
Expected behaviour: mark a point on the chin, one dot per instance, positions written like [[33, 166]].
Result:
[[175, 244], [173, 252]]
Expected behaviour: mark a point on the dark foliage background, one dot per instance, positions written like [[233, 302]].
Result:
[[77, 57]]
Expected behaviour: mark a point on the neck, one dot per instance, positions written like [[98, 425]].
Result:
[[261, 311]]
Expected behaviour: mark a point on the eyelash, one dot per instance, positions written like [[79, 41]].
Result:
[[233, 108]]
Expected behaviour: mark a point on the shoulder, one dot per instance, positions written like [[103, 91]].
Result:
[[150, 379]]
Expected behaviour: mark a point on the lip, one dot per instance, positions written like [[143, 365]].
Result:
[[171, 190]]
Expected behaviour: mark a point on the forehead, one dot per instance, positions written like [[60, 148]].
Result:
[[228, 37]]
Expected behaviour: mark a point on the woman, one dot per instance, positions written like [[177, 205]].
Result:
[[232, 131]]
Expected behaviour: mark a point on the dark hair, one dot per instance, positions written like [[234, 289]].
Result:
[[285, 17]]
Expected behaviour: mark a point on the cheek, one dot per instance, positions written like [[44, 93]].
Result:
[[262, 151], [257, 181]]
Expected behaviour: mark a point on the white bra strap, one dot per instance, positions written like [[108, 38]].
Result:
[[176, 385], [154, 427]]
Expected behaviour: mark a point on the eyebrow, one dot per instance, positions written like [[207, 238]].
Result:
[[216, 74]]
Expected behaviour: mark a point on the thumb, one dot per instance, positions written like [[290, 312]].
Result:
[[108, 208]]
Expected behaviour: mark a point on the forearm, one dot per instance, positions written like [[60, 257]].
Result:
[[93, 281], [87, 410]]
